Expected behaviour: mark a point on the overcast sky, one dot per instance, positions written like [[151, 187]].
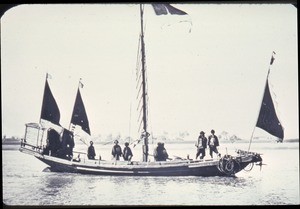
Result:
[[205, 71]]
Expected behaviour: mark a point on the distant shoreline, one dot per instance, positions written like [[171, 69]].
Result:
[[15, 144]]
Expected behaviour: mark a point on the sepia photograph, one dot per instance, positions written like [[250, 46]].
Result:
[[150, 104]]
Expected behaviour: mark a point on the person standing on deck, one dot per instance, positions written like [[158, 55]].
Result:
[[91, 151], [127, 153], [201, 145], [116, 150], [213, 143]]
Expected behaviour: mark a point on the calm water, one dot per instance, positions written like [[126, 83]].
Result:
[[25, 182]]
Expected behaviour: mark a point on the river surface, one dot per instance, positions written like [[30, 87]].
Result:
[[26, 182]]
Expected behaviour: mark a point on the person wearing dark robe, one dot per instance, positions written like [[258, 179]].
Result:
[[116, 150], [67, 145], [54, 142], [160, 152], [127, 153], [91, 151]]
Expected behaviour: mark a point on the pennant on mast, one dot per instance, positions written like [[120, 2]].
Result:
[[80, 83], [48, 76], [272, 58]]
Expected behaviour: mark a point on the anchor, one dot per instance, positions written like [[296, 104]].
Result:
[[260, 164]]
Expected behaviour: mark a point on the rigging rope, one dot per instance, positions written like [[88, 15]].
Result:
[[132, 74]]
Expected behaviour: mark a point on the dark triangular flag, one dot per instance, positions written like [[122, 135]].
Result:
[[272, 60], [164, 9], [79, 116], [50, 111], [267, 119]]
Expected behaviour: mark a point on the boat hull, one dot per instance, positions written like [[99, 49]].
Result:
[[211, 167], [182, 169]]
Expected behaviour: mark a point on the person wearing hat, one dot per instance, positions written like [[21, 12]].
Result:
[[91, 152], [127, 153], [213, 143], [116, 150], [201, 145]]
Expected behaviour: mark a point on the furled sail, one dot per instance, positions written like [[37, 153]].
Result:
[[267, 119], [50, 110], [79, 116]]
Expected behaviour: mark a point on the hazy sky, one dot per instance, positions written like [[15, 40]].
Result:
[[205, 70]]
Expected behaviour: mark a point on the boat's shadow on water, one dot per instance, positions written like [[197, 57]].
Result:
[[55, 188], [58, 181], [148, 181]]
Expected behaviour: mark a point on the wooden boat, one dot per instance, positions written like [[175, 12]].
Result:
[[60, 158]]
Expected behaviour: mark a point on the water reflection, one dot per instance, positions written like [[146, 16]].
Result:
[[54, 187]]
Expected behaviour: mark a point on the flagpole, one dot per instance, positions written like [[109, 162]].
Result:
[[271, 62]]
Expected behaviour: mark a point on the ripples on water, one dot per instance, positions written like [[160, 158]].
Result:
[[27, 182]]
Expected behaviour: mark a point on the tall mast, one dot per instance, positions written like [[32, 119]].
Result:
[[145, 145]]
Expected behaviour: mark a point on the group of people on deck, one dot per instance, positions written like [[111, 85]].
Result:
[[59, 144], [62, 147], [202, 142], [160, 152], [116, 151]]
